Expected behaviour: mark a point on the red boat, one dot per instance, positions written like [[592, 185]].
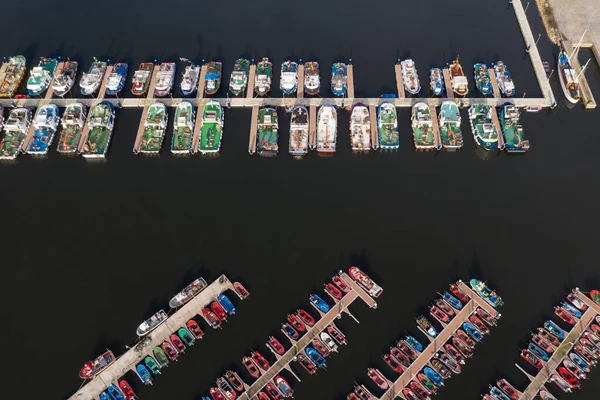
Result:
[[276, 345], [234, 380], [216, 394], [581, 306], [373, 289], [409, 394], [336, 334], [263, 396], [240, 290], [421, 391], [465, 338], [485, 316], [320, 347], [306, 363], [406, 349], [589, 347], [440, 368], [592, 337], [479, 324], [378, 378], [251, 367], [362, 392], [452, 352], [272, 391], [169, 350], [561, 383], [296, 323], [400, 356], [550, 338], [92, 368], [393, 363], [194, 329], [458, 293], [565, 316], [580, 351], [439, 314], [542, 344], [226, 388], [333, 291], [421, 377], [284, 387], [531, 359], [487, 397], [211, 318], [508, 389], [445, 307], [290, 332], [352, 396], [464, 349], [127, 390], [568, 377], [260, 361], [305, 317], [449, 362], [341, 284], [595, 328], [218, 310], [177, 343]]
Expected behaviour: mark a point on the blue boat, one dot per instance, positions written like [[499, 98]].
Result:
[[554, 329], [497, 394], [116, 79], [45, 124], [144, 374], [453, 301], [580, 362], [319, 303], [315, 357], [472, 331], [226, 304], [115, 393], [571, 310], [414, 343], [339, 79], [104, 396], [433, 376], [436, 82], [538, 352]]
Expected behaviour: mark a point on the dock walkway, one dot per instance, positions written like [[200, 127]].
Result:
[[436, 127], [494, 82], [496, 123], [312, 127], [91, 103], [250, 92], [253, 131], [448, 83], [350, 77], [147, 104], [300, 89], [399, 83], [374, 132], [201, 82]]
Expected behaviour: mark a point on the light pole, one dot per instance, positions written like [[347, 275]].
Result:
[[538, 39], [527, 6]]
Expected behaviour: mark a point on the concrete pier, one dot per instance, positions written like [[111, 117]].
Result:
[[494, 82], [300, 90], [350, 74], [253, 131], [448, 83], [312, 127], [374, 130], [197, 126], [496, 122], [202, 82], [250, 92], [436, 127], [399, 83], [587, 98], [135, 355]]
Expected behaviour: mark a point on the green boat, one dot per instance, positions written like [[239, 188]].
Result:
[[211, 130], [482, 126], [155, 126], [72, 124], [450, 132], [239, 77], [11, 75], [387, 121], [264, 74], [213, 77], [268, 132], [514, 139], [100, 127], [160, 356], [152, 365], [183, 128], [486, 293], [422, 127], [186, 337], [426, 382], [15, 130], [41, 76]]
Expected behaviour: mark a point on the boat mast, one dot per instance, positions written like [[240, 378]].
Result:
[[583, 69], [578, 45]]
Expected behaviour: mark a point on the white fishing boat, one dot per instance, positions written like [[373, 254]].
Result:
[[189, 83], [151, 323], [65, 79], [326, 129], [410, 79], [188, 293], [164, 79], [289, 77], [505, 82], [299, 131], [91, 80], [360, 128], [15, 131], [569, 81]]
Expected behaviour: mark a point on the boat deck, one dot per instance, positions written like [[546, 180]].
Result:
[[587, 98], [494, 82], [374, 128], [350, 77], [50, 91], [449, 91], [136, 354], [300, 89], [253, 131], [496, 122], [250, 92], [312, 127], [197, 126], [201, 82], [435, 127], [149, 95], [399, 83]]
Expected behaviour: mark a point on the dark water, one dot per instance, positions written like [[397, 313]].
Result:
[[92, 249]]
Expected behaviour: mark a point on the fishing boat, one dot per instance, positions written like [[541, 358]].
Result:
[[482, 126], [546, 335], [240, 290], [497, 394], [234, 380], [262, 79], [308, 365], [177, 342], [289, 77], [126, 389], [45, 125], [283, 386], [65, 78], [454, 353], [185, 336], [565, 316], [194, 329], [479, 324], [189, 80], [592, 337], [561, 383], [267, 138], [440, 368], [273, 392], [333, 291], [312, 81], [100, 127], [486, 293], [590, 348], [438, 314], [239, 77], [393, 363], [595, 328], [141, 79], [531, 359], [512, 130], [296, 323], [117, 78], [378, 378], [449, 362], [260, 361], [306, 318], [406, 349], [508, 389], [482, 79], [41, 76], [408, 393], [414, 343], [341, 284], [326, 129], [575, 301], [485, 316], [422, 127], [299, 131], [211, 130], [216, 394], [183, 128], [585, 356], [226, 388], [339, 79], [169, 350], [155, 126], [580, 362], [218, 310], [213, 77], [387, 124], [445, 307], [434, 376], [188, 293], [453, 301], [320, 347], [436, 82], [251, 367], [458, 80], [160, 356], [462, 347], [569, 80], [164, 79], [426, 382], [504, 79], [410, 79], [574, 369], [72, 124], [449, 120], [226, 304], [362, 279], [211, 318], [363, 393], [328, 341], [465, 338], [92, 368], [424, 324], [90, 81], [16, 129], [144, 374], [542, 343], [399, 356], [276, 345], [536, 351], [315, 356], [554, 329], [151, 323], [571, 309], [360, 128], [568, 377], [472, 331], [152, 365], [11, 75]]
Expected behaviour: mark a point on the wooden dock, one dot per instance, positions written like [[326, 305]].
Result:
[[436, 127], [335, 312], [300, 90], [201, 82], [448, 83], [128, 361], [253, 131], [50, 91], [587, 98], [496, 123], [250, 92], [91, 103], [374, 131], [312, 127], [350, 77], [197, 126], [494, 82], [149, 95], [399, 82]]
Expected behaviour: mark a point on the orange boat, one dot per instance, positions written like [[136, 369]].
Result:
[[407, 350], [194, 328], [542, 343], [306, 363], [553, 340], [336, 334], [320, 347], [485, 316], [459, 293], [565, 316], [251, 367], [465, 338], [479, 324], [400, 356], [452, 352], [393, 363], [169, 350], [445, 307], [531, 359], [234, 380], [464, 349]]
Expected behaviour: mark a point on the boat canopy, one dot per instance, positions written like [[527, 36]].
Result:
[[212, 76]]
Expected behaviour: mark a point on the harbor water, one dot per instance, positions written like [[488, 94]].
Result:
[[91, 249]]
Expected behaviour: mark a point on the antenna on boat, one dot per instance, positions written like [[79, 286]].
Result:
[[583, 69]]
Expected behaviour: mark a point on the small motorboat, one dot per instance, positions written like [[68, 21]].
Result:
[[459, 293], [333, 291], [151, 323], [226, 388], [462, 347], [426, 383], [554, 329], [571, 309], [508, 389], [539, 353], [315, 356], [542, 344], [336, 335], [472, 331], [152, 365], [251, 367], [393, 363], [581, 364], [290, 332], [531, 359], [454, 353], [585, 356], [234, 380], [272, 391], [479, 324], [434, 376], [169, 350], [341, 284], [550, 338], [305, 317], [127, 390], [589, 347], [319, 303], [218, 310], [276, 345], [283, 386], [177, 343], [328, 341], [216, 394], [561, 383], [400, 356], [595, 296], [308, 365], [240, 290], [104, 396], [260, 361], [564, 315], [160, 356], [115, 392], [576, 301], [592, 337], [296, 323], [440, 368], [263, 396], [497, 394], [409, 394], [211, 318], [546, 395], [226, 304], [363, 393], [438, 314], [352, 396], [320, 347], [414, 343], [422, 392], [449, 362], [595, 328], [465, 338], [378, 378], [573, 368], [406, 349], [568, 377], [453, 301], [185, 335], [424, 324], [194, 329], [485, 316], [445, 307], [144, 374]]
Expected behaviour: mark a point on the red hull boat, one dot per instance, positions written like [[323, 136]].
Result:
[[542, 344], [177, 343], [565, 316], [306, 363], [442, 305], [362, 278], [400, 356], [296, 323], [409, 394], [464, 349], [589, 347], [218, 310], [320, 347], [449, 362], [240, 290], [226, 389], [234, 380], [341, 284], [305, 317], [336, 334], [406, 349], [580, 305], [272, 391], [479, 324], [194, 329], [595, 328], [421, 391], [352, 396], [592, 337], [216, 394], [251, 367], [260, 361], [458, 293], [94, 367], [391, 361], [127, 390], [333, 291], [276, 345], [508, 389], [485, 316], [454, 353], [550, 338], [263, 396], [568, 377], [561, 383], [170, 351], [439, 314], [362, 393], [465, 338], [377, 378], [211, 318], [531, 359], [581, 352]]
